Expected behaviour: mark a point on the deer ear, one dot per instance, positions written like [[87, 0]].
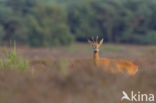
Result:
[[101, 41], [90, 42]]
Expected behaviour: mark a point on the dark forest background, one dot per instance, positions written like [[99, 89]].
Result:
[[61, 22]]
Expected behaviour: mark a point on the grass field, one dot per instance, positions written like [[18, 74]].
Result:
[[67, 75]]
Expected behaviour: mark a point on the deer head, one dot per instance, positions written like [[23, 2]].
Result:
[[95, 44]]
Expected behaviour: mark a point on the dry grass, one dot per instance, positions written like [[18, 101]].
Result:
[[67, 75]]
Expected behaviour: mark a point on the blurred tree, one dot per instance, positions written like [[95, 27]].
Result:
[[44, 22], [2, 33], [48, 26], [118, 21], [13, 20], [150, 38], [21, 7], [83, 21]]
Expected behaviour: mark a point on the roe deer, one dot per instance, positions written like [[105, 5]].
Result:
[[111, 65]]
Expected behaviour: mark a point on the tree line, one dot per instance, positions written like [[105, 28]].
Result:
[[60, 22]]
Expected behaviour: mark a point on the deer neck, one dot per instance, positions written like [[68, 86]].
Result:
[[96, 57]]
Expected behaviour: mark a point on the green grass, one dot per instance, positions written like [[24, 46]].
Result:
[[13, 61]]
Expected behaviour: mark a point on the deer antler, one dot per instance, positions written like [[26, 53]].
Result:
[[96, 39], [92, 38]]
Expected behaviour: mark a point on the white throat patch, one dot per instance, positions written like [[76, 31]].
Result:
[[96, 49]]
